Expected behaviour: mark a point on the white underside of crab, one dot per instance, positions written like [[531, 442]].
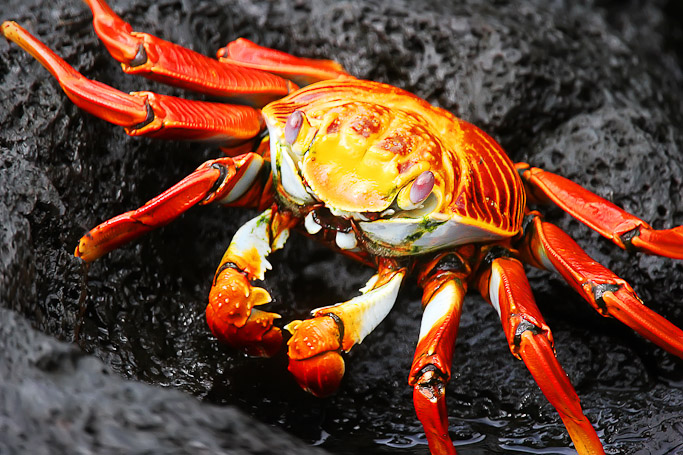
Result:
[[421, 235]]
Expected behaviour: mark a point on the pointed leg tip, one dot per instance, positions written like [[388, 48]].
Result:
[[85, 249], [584, 437], [78, 253], [6, 26], [14, 32]]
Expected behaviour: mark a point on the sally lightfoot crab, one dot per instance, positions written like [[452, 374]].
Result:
[[377, 174]]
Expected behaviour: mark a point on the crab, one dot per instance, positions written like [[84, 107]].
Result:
[[377, 174]]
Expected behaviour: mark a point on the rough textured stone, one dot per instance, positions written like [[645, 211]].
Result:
[[55, 399], [591, 90]]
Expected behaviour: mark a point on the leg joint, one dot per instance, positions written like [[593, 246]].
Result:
[[340, 325], [494, 253], [525, 326], [627, 238], [522, 168], [444, 267], [599, 291], [431, 382], [225, 266], [224, 172], [148, 119], [528, 221], [140, 57], [451, 262]]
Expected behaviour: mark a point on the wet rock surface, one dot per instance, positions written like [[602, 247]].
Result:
[[588, 90]]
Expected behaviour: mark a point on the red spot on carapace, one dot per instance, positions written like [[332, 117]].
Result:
[[404, 166], [333, 127], [398, 143], [366, 125]]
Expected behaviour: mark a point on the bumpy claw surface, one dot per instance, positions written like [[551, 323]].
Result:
[[233, 319], [314, 354], [319, 375]]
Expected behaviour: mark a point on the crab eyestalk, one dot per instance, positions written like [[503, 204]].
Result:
[[293, 126], [414, 195]]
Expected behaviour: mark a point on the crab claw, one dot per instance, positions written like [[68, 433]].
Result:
[[314, 357], [319, 375], [257, 338], [233, 319]]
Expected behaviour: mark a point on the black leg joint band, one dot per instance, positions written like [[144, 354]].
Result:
[[340, 325], [431, 382], [628, 236], [521, 170], [495, 253], [599, 290], [219, 181], [528, 221], [140, 57], [450, 263], [149, 119], [525, 326], [227, 265]]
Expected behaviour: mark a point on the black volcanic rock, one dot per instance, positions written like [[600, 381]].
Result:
[[56, 399], [591, 90]]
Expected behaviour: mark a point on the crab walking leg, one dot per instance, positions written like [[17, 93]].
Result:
[[230, 314], [314, 349], [169, 63], [144, 113], [506, 287], [551, 248], [227, 181], [444, 285], [303, 71], [625, 230]]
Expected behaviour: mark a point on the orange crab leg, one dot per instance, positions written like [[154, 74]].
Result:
[[444, 281], [625, 230], [315, 347], [506, 287], [144, 113], [163, 61], [302, 71], [225, 180], [230, 314], [98, 99], [552, 249]]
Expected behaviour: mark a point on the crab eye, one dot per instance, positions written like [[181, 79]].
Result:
[[293, 126], [422, 187]]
